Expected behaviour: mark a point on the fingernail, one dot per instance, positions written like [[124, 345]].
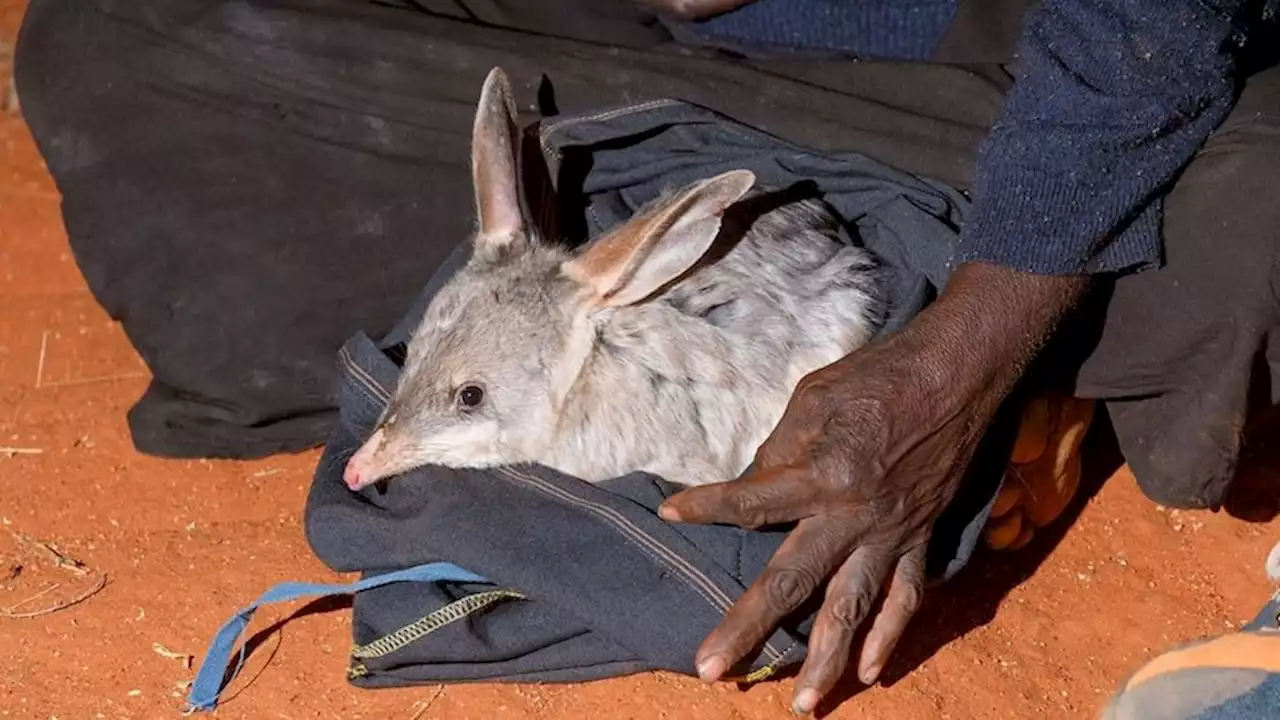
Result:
[[870, 674], [668, 513], [711, 669], [806, 700]]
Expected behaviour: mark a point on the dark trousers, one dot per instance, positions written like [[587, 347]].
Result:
[[247, 184]]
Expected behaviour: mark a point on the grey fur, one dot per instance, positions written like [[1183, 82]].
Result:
[[685, 382]]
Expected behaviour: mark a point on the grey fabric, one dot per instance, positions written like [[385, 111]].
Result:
[[611, 588]]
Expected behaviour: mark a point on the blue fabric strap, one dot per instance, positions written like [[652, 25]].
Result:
[[208, 682]]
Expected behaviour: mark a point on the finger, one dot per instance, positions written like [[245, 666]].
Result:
[[1001, 532], [906, 592], [808, 556], [1024, 538], [762, 497], [1033, 433], [850, 595], [1009, 496]]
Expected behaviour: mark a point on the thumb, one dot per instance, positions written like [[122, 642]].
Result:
[[762, 496]]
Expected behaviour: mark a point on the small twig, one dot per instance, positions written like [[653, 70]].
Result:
[[97, 587], [65, 562], [426, 705], [163, 651], [58, 559], [33, 598], [90, 380], [11, 104], [11, 451], [44, 347]]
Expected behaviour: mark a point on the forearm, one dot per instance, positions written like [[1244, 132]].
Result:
[[974, 343], [1113, 98]]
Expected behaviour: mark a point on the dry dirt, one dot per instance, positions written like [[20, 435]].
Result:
[[1045, 633]]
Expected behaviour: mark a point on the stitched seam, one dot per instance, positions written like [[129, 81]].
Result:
[[690, 572], [737, 560], [600, 116], [594, 509], [546, 132], [362, 387], [372, 388], [591, 210], [370, 382], [630, 528], [789, 649]]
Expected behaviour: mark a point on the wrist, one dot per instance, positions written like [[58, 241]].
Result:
[[988, 324]]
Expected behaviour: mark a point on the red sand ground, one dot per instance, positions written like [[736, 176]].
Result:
[[1046, 633]]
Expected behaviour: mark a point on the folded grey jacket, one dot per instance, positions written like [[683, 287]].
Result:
[[589, 581]]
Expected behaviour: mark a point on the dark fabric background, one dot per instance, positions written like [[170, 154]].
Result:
[[247, 184]]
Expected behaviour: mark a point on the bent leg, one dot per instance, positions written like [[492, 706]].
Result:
[[1181, 359], [1232, 677], [1229, 677]]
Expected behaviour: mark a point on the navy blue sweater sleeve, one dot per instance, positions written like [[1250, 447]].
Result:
[[1112, 99]]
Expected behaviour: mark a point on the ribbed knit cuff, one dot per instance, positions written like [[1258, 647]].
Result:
[[1022, 220], [867, 28]]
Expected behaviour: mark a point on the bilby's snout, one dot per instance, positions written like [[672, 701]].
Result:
[[364, 468]]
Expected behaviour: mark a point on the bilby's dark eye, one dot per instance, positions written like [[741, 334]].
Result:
[[470, 396]]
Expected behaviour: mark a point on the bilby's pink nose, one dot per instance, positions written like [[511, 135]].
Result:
[[363, 467], [351, 475]]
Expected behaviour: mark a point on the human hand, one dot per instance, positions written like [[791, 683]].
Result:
[[867, 455], [1044, 471]]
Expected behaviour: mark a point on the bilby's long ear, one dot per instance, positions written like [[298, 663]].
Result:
[[654, 248], [494, 139]]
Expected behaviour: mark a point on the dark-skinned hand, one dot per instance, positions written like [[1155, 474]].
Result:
[[867, 455]]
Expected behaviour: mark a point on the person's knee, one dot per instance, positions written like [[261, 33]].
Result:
[[1221, 241], [1221, 218], [1176, 352], [1230, 676]]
